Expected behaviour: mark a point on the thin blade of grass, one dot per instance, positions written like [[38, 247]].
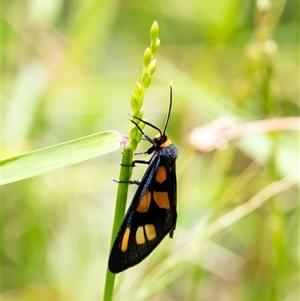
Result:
[[60, 155]]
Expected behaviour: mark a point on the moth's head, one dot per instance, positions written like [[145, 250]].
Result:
[[161, 141]]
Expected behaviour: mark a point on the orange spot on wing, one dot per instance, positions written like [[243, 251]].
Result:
[[161, 174], [150, 231], [161, 198], [125, 239], [144, 202], [140, 236]]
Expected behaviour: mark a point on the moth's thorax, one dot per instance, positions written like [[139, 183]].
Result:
[[167, 143]]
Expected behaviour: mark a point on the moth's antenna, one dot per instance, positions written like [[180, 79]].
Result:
[[153, 126], [170, 108], [146, 122]]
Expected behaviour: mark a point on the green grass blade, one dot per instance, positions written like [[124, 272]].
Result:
[[60, 155], [135, 137]]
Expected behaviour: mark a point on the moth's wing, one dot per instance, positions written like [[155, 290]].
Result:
[[150, 217], [172, 192]]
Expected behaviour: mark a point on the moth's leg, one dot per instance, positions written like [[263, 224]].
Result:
[[136, 162], [130, 182]]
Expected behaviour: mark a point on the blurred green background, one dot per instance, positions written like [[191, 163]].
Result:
[[68, 69]]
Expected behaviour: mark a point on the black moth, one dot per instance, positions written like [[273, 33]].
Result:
[[152, 213]]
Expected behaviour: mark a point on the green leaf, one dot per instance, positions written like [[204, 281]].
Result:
[[68, 153]]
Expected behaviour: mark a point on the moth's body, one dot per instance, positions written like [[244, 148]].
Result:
[[152, 213]]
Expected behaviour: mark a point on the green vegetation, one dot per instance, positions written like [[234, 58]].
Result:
[[68, 71]]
